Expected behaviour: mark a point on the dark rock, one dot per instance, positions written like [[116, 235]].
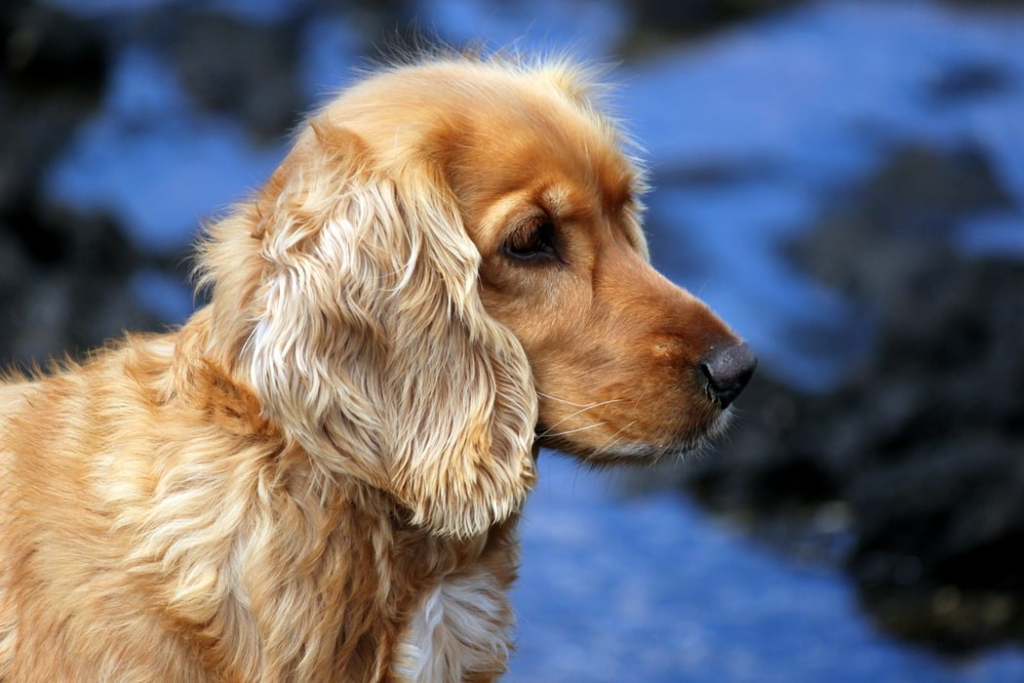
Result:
[[245, 70], [54, 70], [65, 279], [968, 82], [46, 48], [698, 16], [658, 26], [873, 243], [941, 486], [65, 285]]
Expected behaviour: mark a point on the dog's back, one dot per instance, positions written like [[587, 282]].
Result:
[[69, 476]]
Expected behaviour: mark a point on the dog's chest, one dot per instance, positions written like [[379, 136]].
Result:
[[460, 628]]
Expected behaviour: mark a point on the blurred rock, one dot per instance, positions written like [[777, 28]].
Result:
[[898, 221], [242, 69], [698, 16], [65, 280], [924, 444], [54, 70], [46, 48], [963, 83], [65, 285], [937, 484]]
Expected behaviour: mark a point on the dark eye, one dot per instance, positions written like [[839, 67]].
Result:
[[534, 242]]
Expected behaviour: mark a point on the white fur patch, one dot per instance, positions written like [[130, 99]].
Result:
[[459, 629]]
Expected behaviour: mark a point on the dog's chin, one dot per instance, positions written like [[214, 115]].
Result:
[[679, 446]]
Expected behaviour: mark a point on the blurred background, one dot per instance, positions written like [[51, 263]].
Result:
[[842, 181]]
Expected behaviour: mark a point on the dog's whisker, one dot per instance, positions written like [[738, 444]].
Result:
[[583, 410], [549, 433], [579, 405]]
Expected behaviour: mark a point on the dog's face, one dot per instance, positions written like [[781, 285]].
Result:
[[448, 264], [624, 361]]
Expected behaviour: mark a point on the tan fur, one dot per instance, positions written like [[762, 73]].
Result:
[[318, 476]]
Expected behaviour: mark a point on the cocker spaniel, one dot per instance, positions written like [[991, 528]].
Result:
[[318, 476]]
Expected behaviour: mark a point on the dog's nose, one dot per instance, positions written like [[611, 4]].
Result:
[[727, 370]]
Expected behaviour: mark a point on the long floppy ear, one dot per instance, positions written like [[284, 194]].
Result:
[[371, 346]]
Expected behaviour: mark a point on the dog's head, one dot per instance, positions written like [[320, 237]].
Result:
[[449, 263]]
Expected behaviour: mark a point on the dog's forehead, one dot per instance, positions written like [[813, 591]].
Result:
[[513, 140]]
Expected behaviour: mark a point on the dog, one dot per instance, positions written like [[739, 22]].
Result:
[[318, 476]]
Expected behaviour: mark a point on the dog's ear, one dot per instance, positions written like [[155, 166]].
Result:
[[371, 346]]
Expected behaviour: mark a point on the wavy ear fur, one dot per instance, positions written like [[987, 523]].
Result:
[[370, 345]]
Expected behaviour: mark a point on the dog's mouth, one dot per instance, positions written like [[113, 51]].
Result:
[[679, 444]]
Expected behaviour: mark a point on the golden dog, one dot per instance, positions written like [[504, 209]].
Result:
[[318, 476]]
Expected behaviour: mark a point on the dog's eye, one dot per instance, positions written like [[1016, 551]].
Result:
[[533, 242]]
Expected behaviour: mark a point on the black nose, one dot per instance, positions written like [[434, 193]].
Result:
[[727, 370]]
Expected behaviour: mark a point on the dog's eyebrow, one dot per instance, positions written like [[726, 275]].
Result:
[[510, 202], [555, 198], [566, 201], [507, 208]]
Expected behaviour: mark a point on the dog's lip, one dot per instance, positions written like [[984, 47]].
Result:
[[680, 444]]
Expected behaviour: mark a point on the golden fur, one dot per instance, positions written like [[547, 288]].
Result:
[[318, 476]]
